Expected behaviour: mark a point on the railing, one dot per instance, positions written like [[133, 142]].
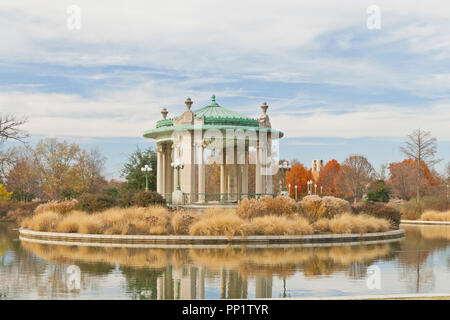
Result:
[[218, 198]]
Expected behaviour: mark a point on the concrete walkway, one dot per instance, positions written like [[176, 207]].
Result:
[[424, 222], [382, 297]]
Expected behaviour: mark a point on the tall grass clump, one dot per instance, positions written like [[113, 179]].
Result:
[[182, 220], [134, 220], [432, 215], [70, 223], [45, 221], [129, 221], [279, 225], [349, 223], [314, 207], [61, 207], [279, 206], [322, 225], [219, 222]]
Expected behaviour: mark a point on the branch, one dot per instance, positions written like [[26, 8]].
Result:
[[10, 129]]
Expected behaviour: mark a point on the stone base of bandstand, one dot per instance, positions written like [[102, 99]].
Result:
[[177, 198]]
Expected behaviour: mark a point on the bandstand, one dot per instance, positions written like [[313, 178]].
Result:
[[231, 140]]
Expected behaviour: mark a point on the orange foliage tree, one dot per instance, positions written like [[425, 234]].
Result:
[[327, 178], [298, 175], [403, 178]]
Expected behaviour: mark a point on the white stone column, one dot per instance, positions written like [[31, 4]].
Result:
[[164, 170], [168, 169], [201, 175], [223, 175], [269, 176], [258, 176], [237, 175], [244, 187], [159, 170]]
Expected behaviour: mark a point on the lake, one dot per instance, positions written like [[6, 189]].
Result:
[[419, 263]]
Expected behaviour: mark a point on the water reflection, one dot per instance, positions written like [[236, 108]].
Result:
[[182, 273], [420, 263], [417, 270]]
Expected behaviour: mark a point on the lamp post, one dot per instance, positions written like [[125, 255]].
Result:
[[309, 185], [285, 166], [146, 170], [177, 165]]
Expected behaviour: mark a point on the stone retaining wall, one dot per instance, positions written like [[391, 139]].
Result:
[[174, 239]]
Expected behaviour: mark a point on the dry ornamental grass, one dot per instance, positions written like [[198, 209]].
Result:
[[432, 215], [266, 216]]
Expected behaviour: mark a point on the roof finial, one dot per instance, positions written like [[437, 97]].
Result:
[[164, 113], [188, 103], [264, 107], [213, 98]]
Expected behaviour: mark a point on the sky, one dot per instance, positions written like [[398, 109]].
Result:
[[334, 86]]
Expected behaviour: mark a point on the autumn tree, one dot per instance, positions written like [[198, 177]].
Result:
[[421, 147], [354, 175], [327, 177], [4, 194], [298, 175], [86, 171], [403, 178], [448, 173], [56, 161], [24, 178]]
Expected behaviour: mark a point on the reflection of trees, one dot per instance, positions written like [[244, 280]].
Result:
[[6, 234], [141, 283], [420, 242]]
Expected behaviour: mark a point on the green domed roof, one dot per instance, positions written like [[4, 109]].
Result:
[[216, 114], [214, 117]]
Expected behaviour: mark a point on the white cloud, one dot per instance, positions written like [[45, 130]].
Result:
[[278, 42], [368, 121]]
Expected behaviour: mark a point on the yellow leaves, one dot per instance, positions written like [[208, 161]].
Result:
[[4, 194]]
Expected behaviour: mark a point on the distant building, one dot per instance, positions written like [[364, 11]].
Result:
[[317, 165]]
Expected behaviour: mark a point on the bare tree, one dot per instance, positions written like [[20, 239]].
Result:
[[448, 172], [381, 174], [421, 146], [10, 128], [355, 174]]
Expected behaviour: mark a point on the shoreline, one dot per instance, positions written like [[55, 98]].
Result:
[[177, 239], [425, 222]]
